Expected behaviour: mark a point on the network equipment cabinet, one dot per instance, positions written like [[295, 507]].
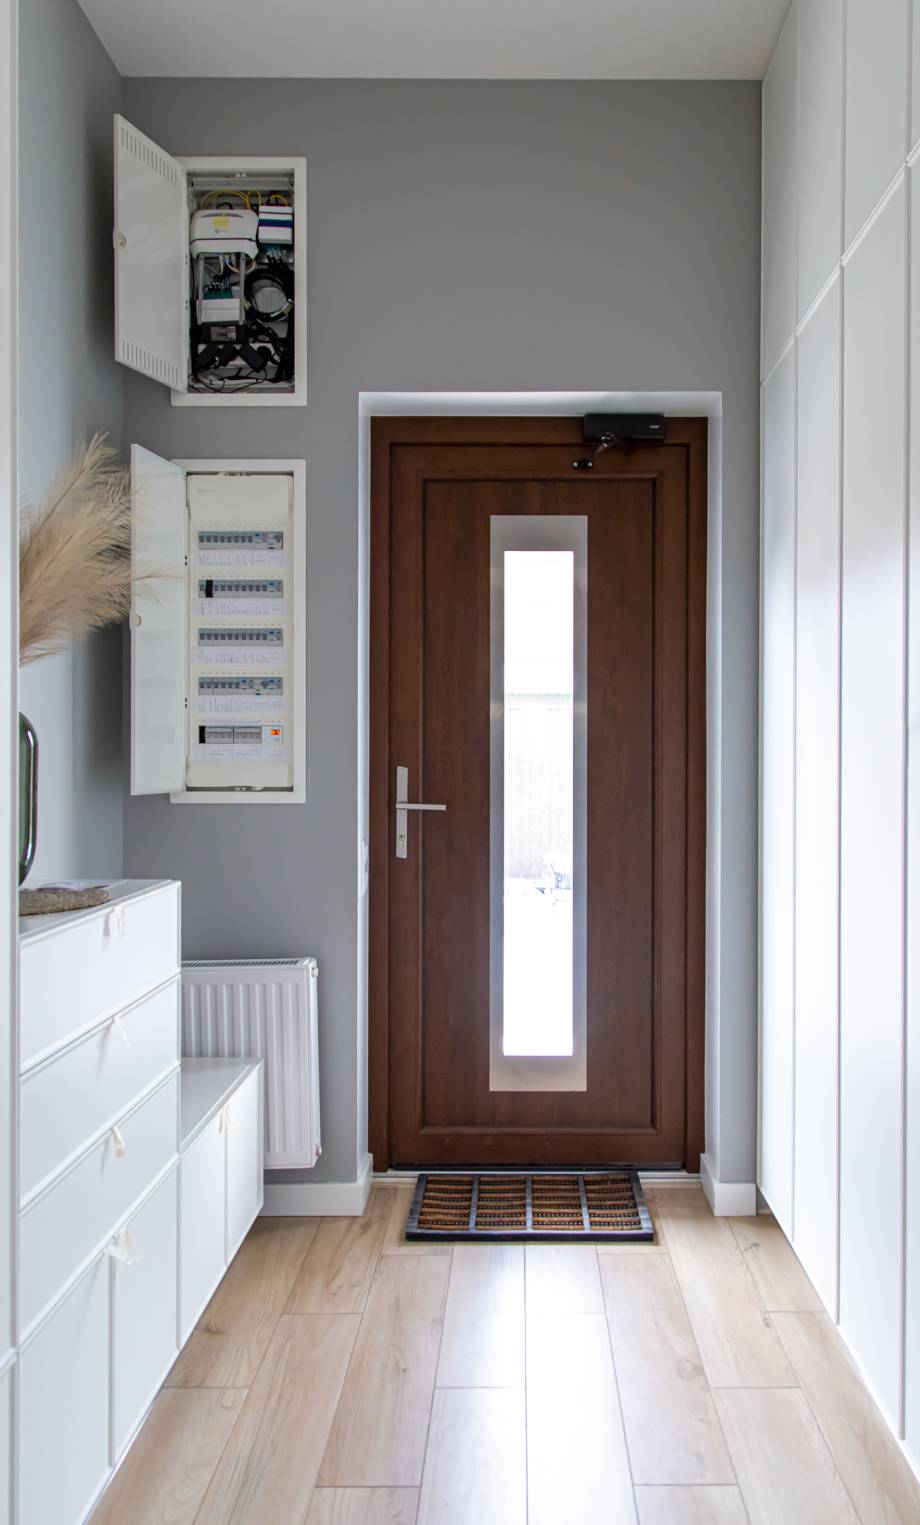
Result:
[[211, 273]]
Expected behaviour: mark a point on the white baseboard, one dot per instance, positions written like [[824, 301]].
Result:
[[325, 1199], [728, 1199]]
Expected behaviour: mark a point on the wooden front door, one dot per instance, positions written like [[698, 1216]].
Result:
[[536, 969]]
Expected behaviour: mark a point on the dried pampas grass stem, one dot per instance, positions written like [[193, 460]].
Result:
[[75, 554]]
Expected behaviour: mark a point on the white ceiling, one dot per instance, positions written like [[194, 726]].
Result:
[[441, 39]]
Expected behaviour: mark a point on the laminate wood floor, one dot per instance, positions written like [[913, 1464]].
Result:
[[342, 1377]]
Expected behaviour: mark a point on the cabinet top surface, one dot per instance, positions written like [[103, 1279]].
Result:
[[120, 890], [204, 1087]]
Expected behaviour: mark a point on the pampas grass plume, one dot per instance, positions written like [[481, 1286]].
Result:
[[75, 554]]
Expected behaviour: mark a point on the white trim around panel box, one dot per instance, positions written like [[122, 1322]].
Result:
[[535, 404], [325, 1199], [297, 794]]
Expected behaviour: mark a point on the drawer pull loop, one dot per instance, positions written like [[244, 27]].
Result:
[[118, 1143], [114, 924], [122, 1249], [118, 1027]]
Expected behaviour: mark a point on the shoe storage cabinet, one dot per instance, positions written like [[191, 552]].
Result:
[[139, 1176]]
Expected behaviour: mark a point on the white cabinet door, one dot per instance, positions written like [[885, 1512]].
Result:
[[151, 259], [158, 620], [202, 1188], [872, 804], [876, 104], [74, 1095], [777, 791], [144, 1308], [66, 1224], [64, 1406], [912, 1227], [6, 1447], [779, 197], [244, 1159], [76, 975], [817, 799], [820, 143]]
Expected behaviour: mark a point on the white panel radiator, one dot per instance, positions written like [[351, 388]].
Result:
[[262, 1009]]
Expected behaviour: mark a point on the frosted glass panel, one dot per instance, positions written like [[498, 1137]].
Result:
[[538, 777], [539, 702]]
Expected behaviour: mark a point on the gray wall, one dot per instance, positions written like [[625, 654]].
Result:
[[69, 388], [467, 236]]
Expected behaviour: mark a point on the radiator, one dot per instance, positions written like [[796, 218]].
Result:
[[264, 1009]]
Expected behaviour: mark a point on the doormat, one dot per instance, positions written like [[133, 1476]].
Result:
[[607, 1206]]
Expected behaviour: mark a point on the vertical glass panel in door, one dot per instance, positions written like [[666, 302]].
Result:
[[539, 703], [538, 802]]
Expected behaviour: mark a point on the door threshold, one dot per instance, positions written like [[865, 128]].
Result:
[[648, 1175]]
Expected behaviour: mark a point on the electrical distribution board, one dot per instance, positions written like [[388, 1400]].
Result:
[[218, 640], [210, 273]]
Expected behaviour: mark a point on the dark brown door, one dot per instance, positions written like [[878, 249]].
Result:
[[537, 946]]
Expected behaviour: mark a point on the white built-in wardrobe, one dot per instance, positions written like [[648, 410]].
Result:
[[840, 779]]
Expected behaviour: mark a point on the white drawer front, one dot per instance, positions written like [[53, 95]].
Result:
[[202, 1222], [68, 1099], [80, 974], [63, 1226], [64, 1406], [145, 1296]]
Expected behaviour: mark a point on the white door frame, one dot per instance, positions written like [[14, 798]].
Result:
[[725, 1197]]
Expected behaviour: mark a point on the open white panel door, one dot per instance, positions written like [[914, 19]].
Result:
[[158, 625], [151, 259]]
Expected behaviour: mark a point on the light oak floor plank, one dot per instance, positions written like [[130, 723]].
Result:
[[769, 1257], [379, 1431], [868, 1458], [578, 1469], [476, 1461], [165, 1475], [233, 1333], [658, 1245], [785, 1470], [338, 1268], [483, 1340], [672, 1428], [563, 1278], [734, 1332], [363, 1506], [268, 1469], [691, 1506], [394, 1242]]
